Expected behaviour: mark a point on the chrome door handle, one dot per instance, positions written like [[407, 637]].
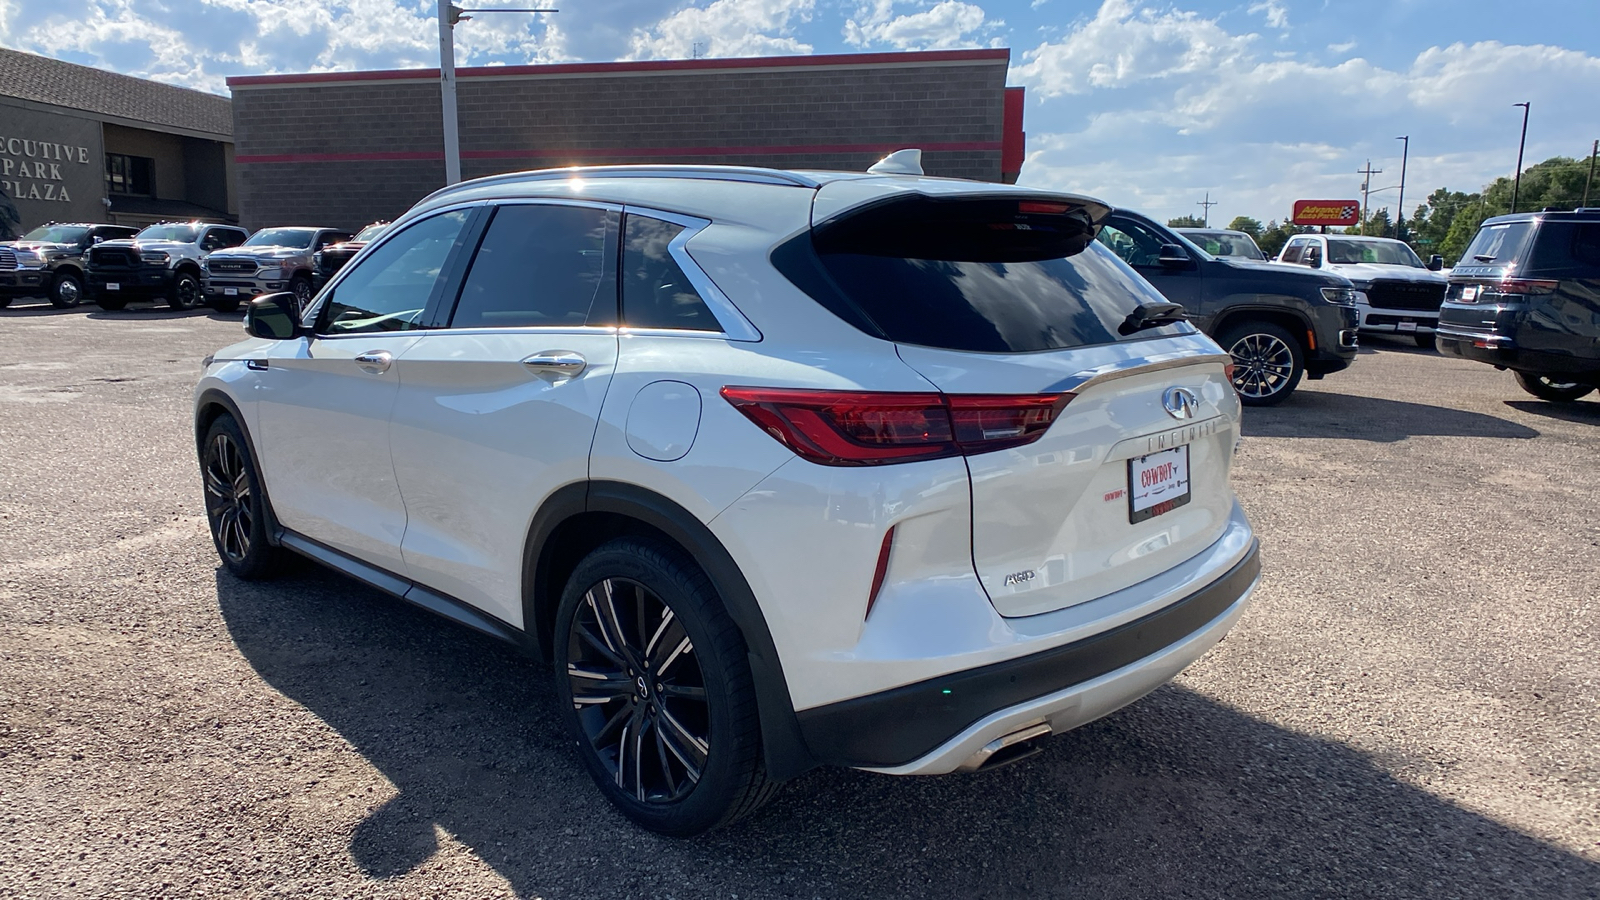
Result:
[[375, 361], [560, 362]]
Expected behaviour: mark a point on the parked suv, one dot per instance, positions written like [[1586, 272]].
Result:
[[271, 260], [325, 263], [48, 261], [1526, 297], [1395, 292], [160, 261], [1278, 323], [777, 469]]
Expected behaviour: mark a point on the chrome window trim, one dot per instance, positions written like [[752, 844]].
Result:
[[735, 327]]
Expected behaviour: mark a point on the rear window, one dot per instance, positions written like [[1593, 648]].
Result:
[[991, 276], [1498, 244]]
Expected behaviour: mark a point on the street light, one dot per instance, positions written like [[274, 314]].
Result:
[[1400, 216], [1516, 184], [449, 15]]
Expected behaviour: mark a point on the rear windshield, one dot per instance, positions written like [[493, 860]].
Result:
[[1498, 244], [981, 276]]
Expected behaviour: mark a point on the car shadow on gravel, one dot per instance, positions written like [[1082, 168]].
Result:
[[161, 311], [1176, 796], [34, 311], [1583, 412], [1320, 414]]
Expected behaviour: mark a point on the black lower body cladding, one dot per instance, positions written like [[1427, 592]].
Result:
[[897, 726]]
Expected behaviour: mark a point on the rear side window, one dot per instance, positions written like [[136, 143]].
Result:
[[1586, 245], [539, 266], [994, 276], [1497, 244], [655, 291]]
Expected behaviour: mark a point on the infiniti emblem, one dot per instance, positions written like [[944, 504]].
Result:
[[1181, 403]]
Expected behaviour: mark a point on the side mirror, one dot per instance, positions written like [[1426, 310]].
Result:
[[1173, 256], [1435, 263], [1313, 258], [275, 317]]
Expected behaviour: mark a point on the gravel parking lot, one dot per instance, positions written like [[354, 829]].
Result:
[[1410, 709]]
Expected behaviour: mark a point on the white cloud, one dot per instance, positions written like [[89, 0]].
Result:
[[1343, 47], [942, 26], [1276, 12], [725, 28], [1122, 46]]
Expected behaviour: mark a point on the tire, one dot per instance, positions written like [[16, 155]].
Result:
[[186, 292], [1267, 362], [695, 739], [66, 291], [5, 302], [300, 286], [1425, 341], [236, 509], [1547, 387], [110, 303]]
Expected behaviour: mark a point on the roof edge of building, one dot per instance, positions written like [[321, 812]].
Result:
[[650, 66]]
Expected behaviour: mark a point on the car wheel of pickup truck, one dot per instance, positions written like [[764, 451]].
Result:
[[1267, 362], [186, 292], [1546, 387], [301, 287], [66, 291]]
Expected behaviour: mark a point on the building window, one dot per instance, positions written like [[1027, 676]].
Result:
[[129, 174]]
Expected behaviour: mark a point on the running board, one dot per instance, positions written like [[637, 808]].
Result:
[[457, 611]]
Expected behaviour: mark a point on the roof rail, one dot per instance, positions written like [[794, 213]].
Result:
[[752, 174]]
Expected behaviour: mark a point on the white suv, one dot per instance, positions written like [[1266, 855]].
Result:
[[777, 469]]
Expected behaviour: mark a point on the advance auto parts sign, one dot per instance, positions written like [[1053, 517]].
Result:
[[1327, 212]]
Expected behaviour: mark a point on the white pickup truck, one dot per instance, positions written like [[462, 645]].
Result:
[[1396, 293]]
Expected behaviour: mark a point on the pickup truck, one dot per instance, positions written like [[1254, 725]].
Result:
[[1395, 292]]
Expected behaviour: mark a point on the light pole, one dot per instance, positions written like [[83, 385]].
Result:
[[1516, 184], [1590, 180], [1400, 216], [449, 15]]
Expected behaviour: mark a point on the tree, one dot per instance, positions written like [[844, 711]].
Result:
[[1274, 236], [1186, 222], [1247, 225]]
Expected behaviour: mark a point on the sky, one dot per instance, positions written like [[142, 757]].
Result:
[[1149, 105]]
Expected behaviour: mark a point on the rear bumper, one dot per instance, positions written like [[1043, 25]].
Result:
[[1503, 352], [944, 724]]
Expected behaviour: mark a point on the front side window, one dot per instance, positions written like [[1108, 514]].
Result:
[[389, 290], [1135, 243], [655, 291], [541, 266]]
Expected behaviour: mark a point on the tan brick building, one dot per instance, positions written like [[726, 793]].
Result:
[[346, 148]]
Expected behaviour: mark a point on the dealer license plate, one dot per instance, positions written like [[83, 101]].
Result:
[[1158, 483], [1469, 293], [1407, 325], [113, 286], [230, 292]]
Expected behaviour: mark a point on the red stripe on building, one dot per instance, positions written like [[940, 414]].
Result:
[[620, 152], [1013, 148], [671, 65]]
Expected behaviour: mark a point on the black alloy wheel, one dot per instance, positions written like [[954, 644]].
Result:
[[300, 286], [235, 508], [186, 292], [1552, 388], [638, 690], [656, 681], [66, 291], [1267, 362]]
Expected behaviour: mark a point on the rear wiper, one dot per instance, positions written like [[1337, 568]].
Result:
[[1481, 258], [1152, 315]]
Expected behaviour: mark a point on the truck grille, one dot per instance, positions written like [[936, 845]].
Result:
[[232, 266], [8, 260], [113, 257], [1405, 295]]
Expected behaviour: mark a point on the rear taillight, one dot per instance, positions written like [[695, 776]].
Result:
[[866, 428], [1522, 286]]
